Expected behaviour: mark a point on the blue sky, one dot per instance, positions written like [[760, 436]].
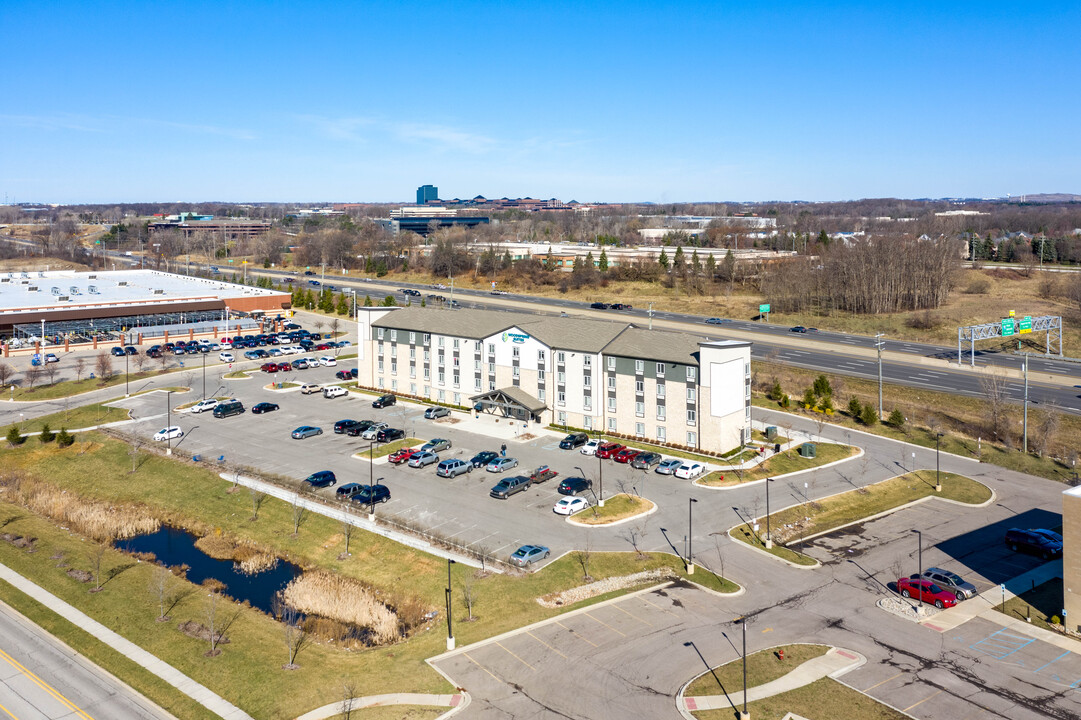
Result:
[[662, 101]]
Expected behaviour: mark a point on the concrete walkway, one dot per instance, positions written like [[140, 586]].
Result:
[[834, 663], [455, 702], [984, 604], [211, 701]]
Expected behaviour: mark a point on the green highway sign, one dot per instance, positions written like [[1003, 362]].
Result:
[[763, 308], [1007, 326], [1026, 324]]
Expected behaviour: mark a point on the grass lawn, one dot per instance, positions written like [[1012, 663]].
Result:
[[185, 406], [762, 667], [238, 375], [823, 698], [1041, 604], [248, 671], [68, 388], [390, 447], [395, 712], [76, 417], [617, 507], [781, 464], [789, 525]]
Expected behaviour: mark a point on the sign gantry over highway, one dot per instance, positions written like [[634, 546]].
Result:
[[1051, 324]]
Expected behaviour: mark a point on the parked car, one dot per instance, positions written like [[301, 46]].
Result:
[[668, 467], [574, 485], [284, 367], [608, 449], [347, 491], [225, 357], [482, 458], [927, 591], [453, 468], [529, 554], [334, 391], [342, 426], [502, 463], [117, 351], [384, 401], [306, 431], [155, 351], [343, 375], [542, 474], [436, 445], [950, 581], [422, 459], [402, 455], [625, 455], [203, 405], [645, 460], [301, 364], [358, 429], [574, 440], [169, 433], [269, 367], [372, 430], [263, 407], [570, 505], [433, 413], [370, 495], [327, 361], [309, 388], [228, 408], [1033, 542], [323, 478], [128, 350], [509, 486], [590, 448], [389, 435], [690, 470]]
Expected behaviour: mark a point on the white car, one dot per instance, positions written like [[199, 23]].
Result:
[[570, 505], [590, 448], [327, 361], [226, 357], [169, 433], [334, 391], [203, 405], [690, 470], [289, 349]]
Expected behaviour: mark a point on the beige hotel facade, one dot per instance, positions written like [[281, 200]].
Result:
[[657, 385]]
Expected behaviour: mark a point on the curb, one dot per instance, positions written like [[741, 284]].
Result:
[[768, 554], [787, 475], [617, 522]]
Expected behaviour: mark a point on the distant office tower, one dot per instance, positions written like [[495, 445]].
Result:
[[426, 194]]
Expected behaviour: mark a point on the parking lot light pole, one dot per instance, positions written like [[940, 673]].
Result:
[[600, 479], [127, 377], [450, 628], [690, 535], [371, 480], [769, 535], [204, 375], [938, 470], [169, 421], [744, 715], [919, 552]]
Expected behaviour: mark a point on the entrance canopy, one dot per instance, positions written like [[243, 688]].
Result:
[[511, 401]]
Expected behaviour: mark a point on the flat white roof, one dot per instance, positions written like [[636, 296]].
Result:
[[57, 289]]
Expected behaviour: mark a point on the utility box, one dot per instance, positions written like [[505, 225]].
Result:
[[771, 433], [808, 450]]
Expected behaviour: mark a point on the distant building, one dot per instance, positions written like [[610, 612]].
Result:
[[427, 194]]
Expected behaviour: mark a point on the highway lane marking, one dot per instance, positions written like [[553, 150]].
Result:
[[892, 677], [467, 657], [602, 622], [43, 685], [921, 701], [9, 713], [577, 634], [516, 657], [617, 607], [530, 634]]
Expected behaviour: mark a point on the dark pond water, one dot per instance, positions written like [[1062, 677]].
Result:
[[177, 547]]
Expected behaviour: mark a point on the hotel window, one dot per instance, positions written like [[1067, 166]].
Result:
[[491, 385], [455, 343], [660, 390], [442, 396], [561, 378], [514, 352], [412, 388], [540, 376], [477, 346], [427, 339], [457, 398], [640, 429], [380, 366], [427, 355], [394, 351], [561, 357], [427, 373], [412, 338], [456, 379], [587, 402], [394, 336], [691, 417], [661, 434], [394, 385], [427, 391], [412, 352], [380, 382], [660, 412], [612, 364], [640, 409], [491, 367], [587, 380], [393, 367], [379, 333], [476, 384], [380, 347], [540, 357], [692, 373], [476, 365], [692, 439], [562, 420], [611, 424], [587, 361], [561, 398], [691, 395], [639, 386], [457, 361], [441, 340], [611, 383], [611, 404], [540, 394], [660, 368], [639, 366], [515, 370], [491, 348], [587, 422], [441, 377]]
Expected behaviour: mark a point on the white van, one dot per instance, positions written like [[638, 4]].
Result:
[[334, 391]]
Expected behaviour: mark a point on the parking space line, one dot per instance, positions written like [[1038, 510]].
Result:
[[632, 615], [577, 634], [481, 667], [602, 622], [1052, 662], [921, 701], [530, 634], [516, 657], [883, 682]]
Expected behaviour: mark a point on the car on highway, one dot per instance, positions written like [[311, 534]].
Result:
[[389, 435], [401, 455], [347, 491], [372, 494], [384, 401], [798, 329], [226, 357], [645, 460], [668, 467], [204, 405], [170, 433], [574, 485], [622, 306], [333, 391], [502, 463], [608, 449], [574, 440], [422, 459], [434, 413], [436, 445], [342, 426], [927, 591], [626, 455], [949, 581], [1034, 542], [529, 554], [570, 505], [409, 291], [263, 407], [323, 478], [590, 448], [599, 306], [716, 321], [690, 470], [482, 458], [509, 486], [306, 431]]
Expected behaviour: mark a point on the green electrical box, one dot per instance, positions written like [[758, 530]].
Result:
[[808, 450], [771, 433]]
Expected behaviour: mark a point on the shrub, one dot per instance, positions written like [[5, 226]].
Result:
[[786, 402], [809, 398], [15, 437], [869, 416], [822, 387], [827, 404], [64, 439], [923, 321], [855, 407], [47, 435], [1056, 620], [896, 419], [978, 286], [775, 392]]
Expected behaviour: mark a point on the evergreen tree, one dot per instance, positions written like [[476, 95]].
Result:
[[662, 259], [603, 266], [343, 305], [696, 264], [711, 267], [822, 387], [823, 238], [367, 301], [589, 260], [728, 267], [896, 420], [64, 439], [855, 408], [15, 437], [507, 261], [869, 416], [47, 434], [389, 301], [549, 261]]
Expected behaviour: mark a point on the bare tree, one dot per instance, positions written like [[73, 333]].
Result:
[[349, 698], [1045, 429], [189, 379], [97, 559], [165, 592], [7, 373], [995, 393], [256, 501], [347, 533], [50, 371], [217, 620], [635, 534], [299, 512], [469, 593], [134, 447], [583, 555], [104, 365], [32, 375], [294, 635], [140, 363]]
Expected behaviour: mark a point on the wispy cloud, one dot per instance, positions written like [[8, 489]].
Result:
[[346, 129], [54, 122], [114, 123], [445, 137], [196, 128]]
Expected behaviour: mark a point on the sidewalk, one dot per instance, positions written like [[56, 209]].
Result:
[[984, 604], [833, 664], [455, 702]]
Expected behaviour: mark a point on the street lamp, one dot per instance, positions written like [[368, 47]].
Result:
[[938, 472], [690, 535], [371, 480], [769, 535], [919, 552], [127, 377], [169, 421], [878, 346], [450, 629], [204, 375], [744, 715]]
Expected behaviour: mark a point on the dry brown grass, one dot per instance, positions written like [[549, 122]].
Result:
[[345, 600], [248, 558]]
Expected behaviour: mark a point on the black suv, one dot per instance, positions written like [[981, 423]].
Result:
[[573, 486], [384, 401], [1042, 543], [323, 478], [599, 306], [360, 427], [389, 434], [343, 426], [573, 440]]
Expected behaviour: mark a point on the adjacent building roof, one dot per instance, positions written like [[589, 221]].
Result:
[[579, 335], [474, 324], [661, 345], [516, 395]]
